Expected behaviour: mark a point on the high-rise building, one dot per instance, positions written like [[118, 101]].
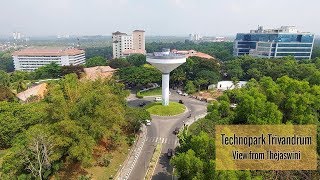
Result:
[[124, 44], [31, 59], [275, 43], [138, 40], [194, 37]]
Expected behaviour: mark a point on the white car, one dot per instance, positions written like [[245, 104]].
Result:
[[148, 122], [158, 99], [184, 94]]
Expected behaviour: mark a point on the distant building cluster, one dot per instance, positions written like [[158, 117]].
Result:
[[194, 37], [275, 43], [199, 38], [31, 59], [16, 35], [125, 45]]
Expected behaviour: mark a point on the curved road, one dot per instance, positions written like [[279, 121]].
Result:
[[161, 131]]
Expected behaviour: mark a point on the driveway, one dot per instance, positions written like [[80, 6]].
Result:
[[161, 132]]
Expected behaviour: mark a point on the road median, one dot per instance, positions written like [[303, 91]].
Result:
[[153, 163]]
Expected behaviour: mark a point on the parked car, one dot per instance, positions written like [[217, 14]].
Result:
[[158, 99], [176, 131], [170, 153], [184, 94], [179, 91], [148, 122], [180, 101], [142, 104]]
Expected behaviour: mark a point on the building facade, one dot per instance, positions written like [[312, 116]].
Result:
[[32, 59], [122, 43], [275, 43]]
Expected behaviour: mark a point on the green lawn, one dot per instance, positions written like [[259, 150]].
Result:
[[174, 108], [152, 92]]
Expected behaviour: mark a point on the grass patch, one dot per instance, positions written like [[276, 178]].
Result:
[[174, 108], [153, 162], [118, 157], [152, 92]]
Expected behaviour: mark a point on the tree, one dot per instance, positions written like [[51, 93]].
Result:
[[51, 70], [201, 82], [4, 79], [137, 59], [17, 76], [96, 61], [139, 76], [6, 62], [135, 117], [6, 94], [234, 69], [188, 166], [178, 76], [190, 88], [38, 149], [119, 63], [211, 76], [79, 70]]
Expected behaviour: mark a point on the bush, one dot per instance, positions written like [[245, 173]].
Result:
[[139, 95], [105, 160], [131, 139]]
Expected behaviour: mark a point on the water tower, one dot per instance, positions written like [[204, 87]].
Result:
[[166, 62]]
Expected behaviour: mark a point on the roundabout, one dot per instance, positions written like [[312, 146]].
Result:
[[172, 109]]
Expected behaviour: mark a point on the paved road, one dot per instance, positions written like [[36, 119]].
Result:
[[161, 131]]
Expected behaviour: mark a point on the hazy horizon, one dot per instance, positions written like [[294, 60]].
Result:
[[166, 18]]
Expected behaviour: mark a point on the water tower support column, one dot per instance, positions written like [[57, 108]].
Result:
[[165, 89]]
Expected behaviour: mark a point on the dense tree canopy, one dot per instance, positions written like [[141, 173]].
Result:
[[137, 59], [6, 62], [267, 101], [96, 61], [139, 76], [74, 117], [200, 71], [247, 67]]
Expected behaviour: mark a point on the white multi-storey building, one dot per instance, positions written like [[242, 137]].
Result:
[[124, 44], [31, 59]]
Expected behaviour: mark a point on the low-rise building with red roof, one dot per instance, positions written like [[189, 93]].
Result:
[[37, 92], [98, 72], [30, 59]]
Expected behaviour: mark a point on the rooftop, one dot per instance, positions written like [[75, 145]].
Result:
[[48, 52], [97, 72], [138, 31], [118, 33], [38, 90], [133, 51], [282, 29]]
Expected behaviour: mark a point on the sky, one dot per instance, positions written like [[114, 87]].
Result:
[[156, 17]]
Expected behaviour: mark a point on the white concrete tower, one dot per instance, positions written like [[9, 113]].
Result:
[[165, 62]]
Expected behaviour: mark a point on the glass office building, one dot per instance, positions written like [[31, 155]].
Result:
[[274, 43]]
